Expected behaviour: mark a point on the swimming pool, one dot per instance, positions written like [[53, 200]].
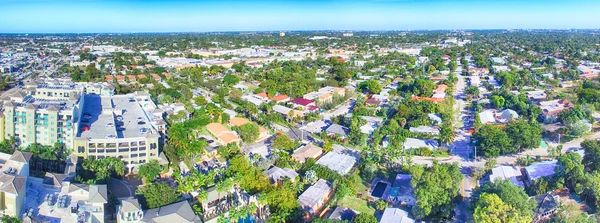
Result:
[[379, 189]]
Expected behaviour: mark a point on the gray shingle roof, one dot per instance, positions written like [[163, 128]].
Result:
[[130, 205], [177, 212], [98, 194], [337, 129], [12, 184], [22, 157]]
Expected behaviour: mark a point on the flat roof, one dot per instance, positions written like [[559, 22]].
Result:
[[103, 122], [340, 163]]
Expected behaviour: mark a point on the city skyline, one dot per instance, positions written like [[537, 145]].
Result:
[[98, 16]]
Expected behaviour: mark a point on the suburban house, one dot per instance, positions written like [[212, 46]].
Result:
[[507, 172], [337, 131], [412, 143], [434, 100], [304, 103], [261, 96], [551, 109], [430, 130], [241, 87], [223, 135], [492, 117], [538, 170], [539, 95], [285, 111], [307, 151], [395, 215], [548, 203], [253, 99], [402, 191], [338, 162], [343, 214], [277, 174], [478, 71], [282, 98], [156, 77], [373, 102], [315, 197]]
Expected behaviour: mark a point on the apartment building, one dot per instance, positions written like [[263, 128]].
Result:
[[14, 171], [42, 113]]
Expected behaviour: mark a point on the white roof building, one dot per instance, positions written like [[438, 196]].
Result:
[[504, 172]]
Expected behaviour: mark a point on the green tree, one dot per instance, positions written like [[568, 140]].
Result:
[[435, 189], [492, 141], [365, 218], [430, 69], [491, 209], [371, 86], [380, 205], [497, 101], [10, 219], [249, 132], [157, 195], [591, 159], [524, 134], [283, 142], [570, 213], [149, 171], [327, 146], [231, 79], [510, 194]]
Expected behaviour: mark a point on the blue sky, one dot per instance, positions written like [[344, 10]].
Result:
[[60, 16]]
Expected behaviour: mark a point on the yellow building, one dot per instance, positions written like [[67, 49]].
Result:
[[13, 179]]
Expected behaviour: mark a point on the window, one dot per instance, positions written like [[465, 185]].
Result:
[[80, 149]]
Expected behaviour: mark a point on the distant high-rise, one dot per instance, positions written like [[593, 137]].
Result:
[[282, 34]]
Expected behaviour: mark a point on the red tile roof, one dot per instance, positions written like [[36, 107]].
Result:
[[434, 100], [280, 97], [301, 101]]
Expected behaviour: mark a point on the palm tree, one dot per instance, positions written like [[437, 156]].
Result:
[[446, 136]]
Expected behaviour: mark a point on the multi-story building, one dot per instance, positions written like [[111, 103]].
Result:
[[121, 126], [44, 114], [86, 118], [13, 178]]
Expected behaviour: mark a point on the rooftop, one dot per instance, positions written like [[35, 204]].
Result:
[[314, 194], [395, 215], [541, 169], [412, 143], [504, 172], [340, 163], [176, 212], [114, 117]]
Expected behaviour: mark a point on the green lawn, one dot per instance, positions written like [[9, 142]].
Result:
[[356, 204]]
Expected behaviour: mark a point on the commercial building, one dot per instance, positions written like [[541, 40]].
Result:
[[120, 126]]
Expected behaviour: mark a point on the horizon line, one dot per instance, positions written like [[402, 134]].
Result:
[[308, 30]]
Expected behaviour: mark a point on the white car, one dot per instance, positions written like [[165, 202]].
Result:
[[110, 124]]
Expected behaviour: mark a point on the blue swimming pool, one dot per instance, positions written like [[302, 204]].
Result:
[[247, 219], [379, 189]]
